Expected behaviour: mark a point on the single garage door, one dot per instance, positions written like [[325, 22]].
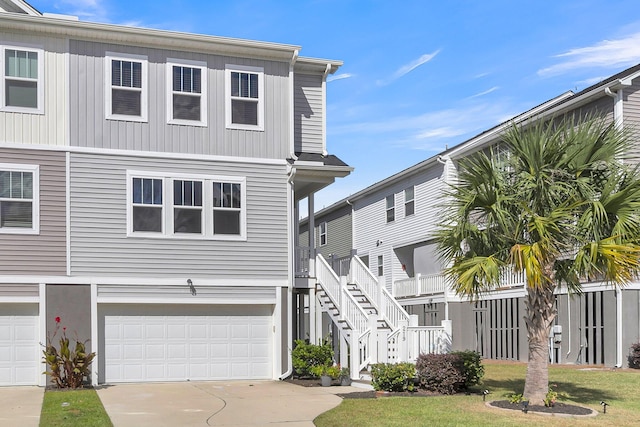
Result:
[[178, 343], [19, 349]]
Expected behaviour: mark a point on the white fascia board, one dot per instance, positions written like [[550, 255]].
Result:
[[316, 65], [185, 301], [163, 39], [144, 281], [25, 7]]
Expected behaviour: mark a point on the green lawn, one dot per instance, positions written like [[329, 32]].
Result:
[[73, 408], [584, 387]]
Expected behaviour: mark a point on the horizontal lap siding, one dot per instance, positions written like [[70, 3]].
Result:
[[99, 244], [339, 234], [308, 117], [87, 70], [44, 253], [632, 116], [48, 128]]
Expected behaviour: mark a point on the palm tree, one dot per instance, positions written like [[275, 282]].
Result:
[[553, 199]]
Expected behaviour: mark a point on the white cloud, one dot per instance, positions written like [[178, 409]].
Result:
[[591, 81], [486, 92], [407, 68], [339, 77], [604, 54]]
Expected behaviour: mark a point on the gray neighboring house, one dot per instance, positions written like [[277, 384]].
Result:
[[149, 183], [392, 223]]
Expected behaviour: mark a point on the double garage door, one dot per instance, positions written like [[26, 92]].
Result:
[[19, 344], [186, 342]]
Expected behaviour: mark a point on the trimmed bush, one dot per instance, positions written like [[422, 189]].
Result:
[[441, 373], [393, 376], [634, 356], [305, 356], [472, 369]]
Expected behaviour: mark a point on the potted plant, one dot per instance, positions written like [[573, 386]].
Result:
[[327, 373], [345, 376]]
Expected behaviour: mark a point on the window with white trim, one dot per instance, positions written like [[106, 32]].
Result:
[[187, 89], [323, 233], [409, 202], [19, 199], [22, 79], [202, 206], [126, 88], [380, 265], [147, 209], [244, 97], [391, 208]]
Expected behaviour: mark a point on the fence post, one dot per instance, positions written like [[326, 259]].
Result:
[[445, 347], [355, 353], [373, 338], [403, 342], [343, 297], [418, 284]]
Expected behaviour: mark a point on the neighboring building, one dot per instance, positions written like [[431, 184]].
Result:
[[149, 183], [392, 227]]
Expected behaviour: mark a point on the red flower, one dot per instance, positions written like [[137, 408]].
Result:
[[64, 329], [57, 319]]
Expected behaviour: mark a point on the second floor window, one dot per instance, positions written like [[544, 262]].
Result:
[[245, 98], [147, 205], [19, 208], [127, 88], [380, 265], [22, 86], [391, 208], [187, 93], [187, 206], [323, 233], [409, 202]]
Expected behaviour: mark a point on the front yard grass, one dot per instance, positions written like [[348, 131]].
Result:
[[81, 408], [588, 388]]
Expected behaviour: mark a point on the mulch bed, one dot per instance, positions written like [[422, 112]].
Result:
[[365, 394], [558, 408]]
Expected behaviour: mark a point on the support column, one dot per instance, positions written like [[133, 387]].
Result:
[[313, 338], [312, 235]]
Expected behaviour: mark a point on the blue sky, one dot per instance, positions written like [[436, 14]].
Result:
[[418, 75]]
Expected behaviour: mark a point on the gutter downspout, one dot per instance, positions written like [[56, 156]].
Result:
[[292, 102], [290, 273], [324, 108], [569, 323]]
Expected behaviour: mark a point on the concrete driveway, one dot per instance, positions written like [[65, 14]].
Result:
[[223, 403], [20, 406]]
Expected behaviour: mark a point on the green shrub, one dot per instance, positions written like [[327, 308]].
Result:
[[515, 398], [320, 370], [634, 356], [441, 373], [393, 377], [305, 356], [472, 369]]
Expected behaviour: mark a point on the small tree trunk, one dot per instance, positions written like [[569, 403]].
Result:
[[540, 315]]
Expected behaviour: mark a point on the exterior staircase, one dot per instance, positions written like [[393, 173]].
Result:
[[372, 325]]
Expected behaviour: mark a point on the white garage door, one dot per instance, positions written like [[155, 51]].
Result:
[[176, 343], [19, 349]]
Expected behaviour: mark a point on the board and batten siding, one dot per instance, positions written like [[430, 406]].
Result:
[[370, 226], [92, 129], [308, 114], [50, 127], [99, 242], [44, 253]]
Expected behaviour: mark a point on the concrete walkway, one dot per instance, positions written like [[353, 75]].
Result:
[[20, 406], [221, 403]]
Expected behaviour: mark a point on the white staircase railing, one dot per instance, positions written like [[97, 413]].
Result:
[[393, 312], [329, 280], [365, 280], [426, 339]]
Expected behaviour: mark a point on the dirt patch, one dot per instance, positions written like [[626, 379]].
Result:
[[557, 409]]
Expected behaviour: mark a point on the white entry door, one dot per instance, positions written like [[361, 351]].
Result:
[[20, 353], [178, 343]]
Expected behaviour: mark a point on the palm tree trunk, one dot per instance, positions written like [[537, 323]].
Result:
[[539, 303]]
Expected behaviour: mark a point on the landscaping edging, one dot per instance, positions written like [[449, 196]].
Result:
[[556, 411]]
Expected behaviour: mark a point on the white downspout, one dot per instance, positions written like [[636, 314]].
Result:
[[324, 108], [619, 326], [292, 266], [292, 108], [569, 323]]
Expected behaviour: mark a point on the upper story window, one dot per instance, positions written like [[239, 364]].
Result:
[[126, 90], [19, 199], [380, 265], [391, 208], [244, 97], [203, 206], [323, 233], [22, 75], [187, 92], [409, 202]]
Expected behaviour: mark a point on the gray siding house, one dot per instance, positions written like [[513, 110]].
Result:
[[149, 183], [392, 233]]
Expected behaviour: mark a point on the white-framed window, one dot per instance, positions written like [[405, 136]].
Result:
[[391, 208], [186, 206], [22, 88], [126, 87], [322, 230], [186, 92], [147, 213], [19, 199], [244, 97], [409, 201], [380, 265]]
